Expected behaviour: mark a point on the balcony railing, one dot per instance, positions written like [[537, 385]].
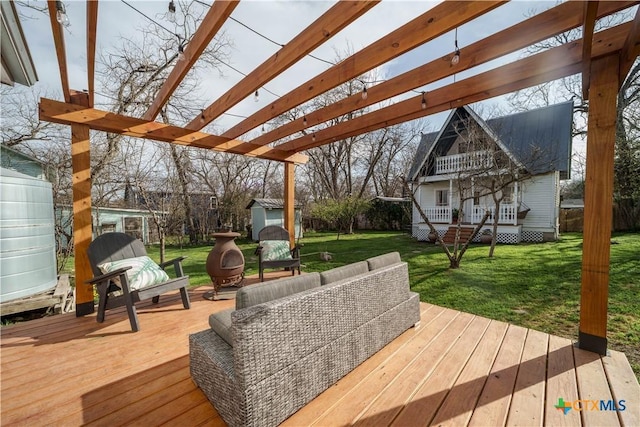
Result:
[[463, 162]]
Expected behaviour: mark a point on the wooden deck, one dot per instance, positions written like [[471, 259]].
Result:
[[455, 369]]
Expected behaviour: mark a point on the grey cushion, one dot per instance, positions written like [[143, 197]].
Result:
[[220, 322], [344, 272], [383, 260], [269, 291]]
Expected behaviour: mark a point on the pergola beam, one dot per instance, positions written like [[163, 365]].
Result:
[[630, 51], [440, 19], [58, 41], [321, 30], [211, 24], [92, 26], [589, 25], [60, 112], [540, 27], [552, 64]]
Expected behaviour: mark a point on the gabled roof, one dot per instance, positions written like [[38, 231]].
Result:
[[546, 130], [270, 203], [17, 65]]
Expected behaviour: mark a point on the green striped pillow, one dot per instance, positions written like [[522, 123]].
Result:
[[143, 272], [273, 250]]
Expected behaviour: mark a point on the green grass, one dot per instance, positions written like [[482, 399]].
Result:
[[531, 285]]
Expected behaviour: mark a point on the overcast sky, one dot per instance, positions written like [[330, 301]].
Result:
[[280, 21]]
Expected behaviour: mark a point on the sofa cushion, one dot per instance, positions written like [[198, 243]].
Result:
[[383, 260], [220, 322], [268, 291], [343, 272]]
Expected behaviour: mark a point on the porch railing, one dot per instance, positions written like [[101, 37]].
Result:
[[463, 162], [438, 214], [508, 214]]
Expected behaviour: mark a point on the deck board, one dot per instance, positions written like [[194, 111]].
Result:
[[454, 369]]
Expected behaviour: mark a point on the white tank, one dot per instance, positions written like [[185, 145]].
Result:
[[27, 241]]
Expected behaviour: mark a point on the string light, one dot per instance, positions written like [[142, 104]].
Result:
[[313, 137], [263, 129], [171, 14], [181, 52], [202, 119], [304, 121], [365, 94], [456, 56], [424, 101], [256, 96], [61, 14]]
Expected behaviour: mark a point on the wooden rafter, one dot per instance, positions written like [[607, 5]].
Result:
[[64, 113], [211, 24], [58, 41], [588, 27], [440, 19], [321, 30], [629, 51], [540, 27], [92, 26], [552, 64]]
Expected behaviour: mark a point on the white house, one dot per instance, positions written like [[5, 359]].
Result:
[[537, 141]]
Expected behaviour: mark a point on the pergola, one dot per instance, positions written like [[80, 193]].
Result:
[[602, 58]]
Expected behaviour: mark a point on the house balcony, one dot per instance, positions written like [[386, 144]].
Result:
[[463, 162]]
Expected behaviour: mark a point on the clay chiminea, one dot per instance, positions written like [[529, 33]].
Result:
[[225, 263]]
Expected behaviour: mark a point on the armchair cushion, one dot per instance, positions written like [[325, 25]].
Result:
[[220, 322], [273, 250], [344, 272], [144, 271], [383, 260]]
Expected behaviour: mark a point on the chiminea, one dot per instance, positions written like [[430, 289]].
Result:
[[225, 263]]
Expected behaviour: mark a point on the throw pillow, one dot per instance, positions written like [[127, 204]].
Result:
[[143, 272], [273, 250]]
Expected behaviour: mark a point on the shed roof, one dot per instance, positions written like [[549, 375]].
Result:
[[547, 129], [270, 203]]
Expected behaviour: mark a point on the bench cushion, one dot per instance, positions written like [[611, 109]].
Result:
[[344, 272], [269, 291], [383, 260]]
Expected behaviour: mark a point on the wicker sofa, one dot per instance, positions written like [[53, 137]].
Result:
[[290, 339]]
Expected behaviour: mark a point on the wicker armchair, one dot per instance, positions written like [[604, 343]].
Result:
[[267, 252]]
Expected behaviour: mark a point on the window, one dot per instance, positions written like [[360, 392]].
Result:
[[442, 197], [476, 198], [108, 227], [507, 192]]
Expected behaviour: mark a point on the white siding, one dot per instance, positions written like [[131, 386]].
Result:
[[541, 194]]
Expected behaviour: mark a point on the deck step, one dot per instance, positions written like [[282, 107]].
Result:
[[450, 235]]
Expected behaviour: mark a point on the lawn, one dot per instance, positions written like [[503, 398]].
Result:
[[532, 285]]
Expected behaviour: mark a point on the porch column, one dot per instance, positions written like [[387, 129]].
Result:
[[598, 202], [289, 201], [451, 202], [82, 223], [473, 200], [515, 203]]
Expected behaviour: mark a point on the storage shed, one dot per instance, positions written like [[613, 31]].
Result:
[[271, 212]]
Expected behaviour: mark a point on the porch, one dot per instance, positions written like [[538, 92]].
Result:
[[508, 214], [455, 369]]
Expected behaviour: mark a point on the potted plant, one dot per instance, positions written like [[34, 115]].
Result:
[[486, 236], [454, 215]]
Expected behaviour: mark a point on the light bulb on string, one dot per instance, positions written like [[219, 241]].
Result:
[[424, 101], [181, 52], [61, 14], [263, 129], [365, 94], [171, 13], [304, 121], [202, 119], [313, 137], [256, 96], [456, 56]]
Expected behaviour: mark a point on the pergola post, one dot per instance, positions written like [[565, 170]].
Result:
[[82, 222], [289, 201], [598, 202]]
